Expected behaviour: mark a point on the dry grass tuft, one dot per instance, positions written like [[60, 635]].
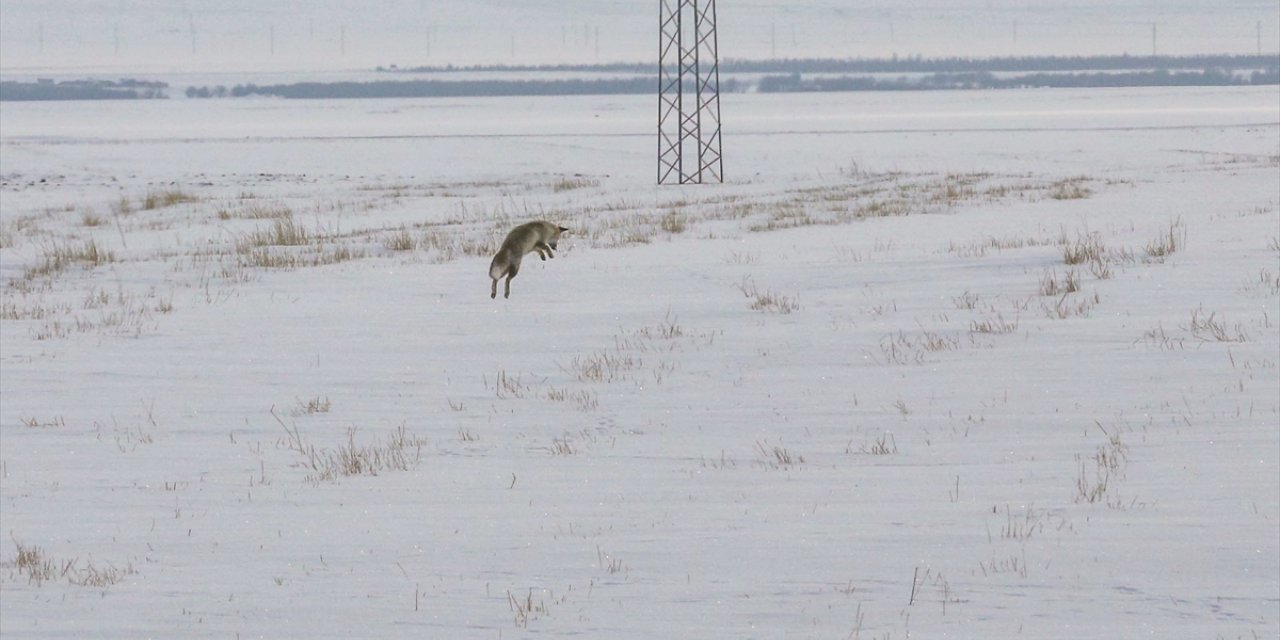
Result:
[[582, 399], [1208, 328], [256, 211], [38, 568], [1168, 243], [165, 198], [526, 609], [1070, 189], [401, 451], [1108, 462], [1050, 285], [767, 300], [1068, 306], [603, 366], [885, 445], [674, 222], [1086, 248], [284, 232], [997, 325], [311, 406], [400, 240], [777, 456], [60, 257]]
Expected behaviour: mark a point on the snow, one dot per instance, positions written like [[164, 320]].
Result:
[[903, 443]]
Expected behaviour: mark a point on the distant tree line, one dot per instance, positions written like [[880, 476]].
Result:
[[906, 64], [920, 64], [794, 82], [434, 88], [779, 76], [444, 88], [987, 80], [207, 92], [44, 89]]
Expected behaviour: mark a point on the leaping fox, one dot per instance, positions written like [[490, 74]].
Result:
[[537, 236]]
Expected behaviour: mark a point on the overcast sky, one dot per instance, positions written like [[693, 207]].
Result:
[[108, 36]]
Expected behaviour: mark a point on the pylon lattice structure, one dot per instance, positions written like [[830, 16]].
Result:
[[688, 93]]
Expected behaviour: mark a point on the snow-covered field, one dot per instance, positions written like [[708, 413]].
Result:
[[972, 365]]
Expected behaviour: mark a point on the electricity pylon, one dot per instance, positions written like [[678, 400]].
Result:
[[688, 93]]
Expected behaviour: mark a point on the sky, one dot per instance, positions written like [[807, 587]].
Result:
[[117, 36]]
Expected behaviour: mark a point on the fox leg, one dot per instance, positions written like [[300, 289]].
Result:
[[511, 273], [544, 250], [493, 290]]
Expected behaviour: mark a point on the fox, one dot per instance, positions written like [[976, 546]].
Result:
[[540, 236]]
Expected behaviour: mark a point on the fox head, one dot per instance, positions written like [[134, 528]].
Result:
[[555, 237]]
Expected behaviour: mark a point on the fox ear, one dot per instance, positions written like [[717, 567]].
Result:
[[563, 229]]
